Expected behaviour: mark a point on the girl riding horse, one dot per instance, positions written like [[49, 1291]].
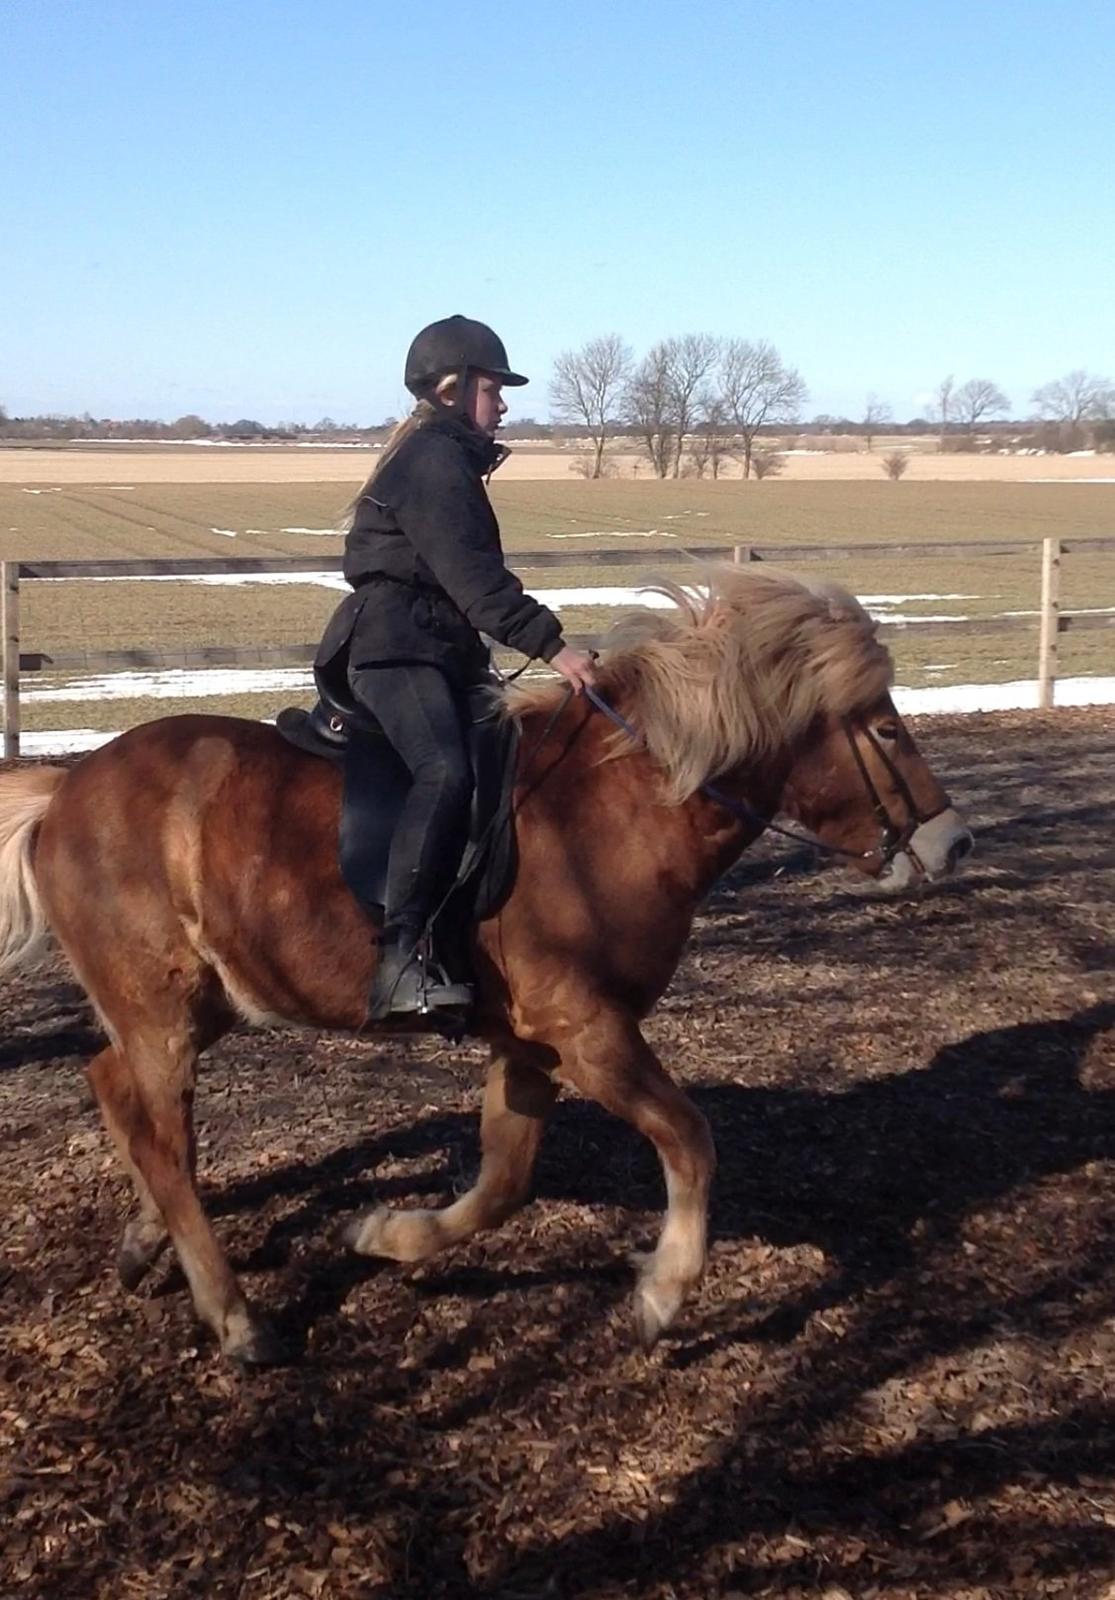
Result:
[[424, 558]]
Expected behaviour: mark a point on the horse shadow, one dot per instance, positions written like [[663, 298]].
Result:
[[875, 1177]]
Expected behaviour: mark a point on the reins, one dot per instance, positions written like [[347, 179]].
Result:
[[892, 838]]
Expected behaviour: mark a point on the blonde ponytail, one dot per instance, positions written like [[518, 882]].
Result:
[[425, 411]]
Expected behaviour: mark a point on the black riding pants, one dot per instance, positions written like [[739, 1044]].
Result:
[[421, 715]]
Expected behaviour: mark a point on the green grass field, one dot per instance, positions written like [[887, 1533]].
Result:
[[178, 520]]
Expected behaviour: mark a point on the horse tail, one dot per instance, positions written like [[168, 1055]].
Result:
[[24, 799]]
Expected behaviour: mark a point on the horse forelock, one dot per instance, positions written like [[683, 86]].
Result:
[[739, 667]]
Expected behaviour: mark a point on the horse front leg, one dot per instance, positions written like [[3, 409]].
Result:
[[518, 1096], [610, 1062]]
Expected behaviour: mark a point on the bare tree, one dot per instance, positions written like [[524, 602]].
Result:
[[585, 467], [766, 463], [940, 409], [689, 362], [587, 386], [755, 389], [875, 413], [713, 440], [648, 405], [895, 464], [1077, 397], [976, 399]]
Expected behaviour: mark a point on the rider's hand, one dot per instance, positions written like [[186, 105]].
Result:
[[576, 667]]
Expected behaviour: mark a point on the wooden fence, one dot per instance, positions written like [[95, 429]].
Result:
[[1052, 621]]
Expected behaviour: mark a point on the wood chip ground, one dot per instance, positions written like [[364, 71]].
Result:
[[896, 1382]]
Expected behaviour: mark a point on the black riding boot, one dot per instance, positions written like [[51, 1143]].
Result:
[[408, 982]]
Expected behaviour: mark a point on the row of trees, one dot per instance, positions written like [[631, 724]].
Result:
[[705, 397], [1077, 398], [714, 393], [714, 396], [190, 427]]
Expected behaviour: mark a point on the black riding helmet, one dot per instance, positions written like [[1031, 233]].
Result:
[[456, 344]]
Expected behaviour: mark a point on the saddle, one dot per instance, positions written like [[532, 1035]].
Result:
[[375, 788]]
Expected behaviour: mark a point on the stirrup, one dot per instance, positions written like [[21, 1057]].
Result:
[[416, 987]]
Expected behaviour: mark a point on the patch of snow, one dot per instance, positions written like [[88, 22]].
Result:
[[1082, 611], [603, 596], [902, 599], [1019, 695], [62, 742], [604, 533], [174, 683], [914, 622], [325, 580], [321, 533], [229, 533], [55, 488]]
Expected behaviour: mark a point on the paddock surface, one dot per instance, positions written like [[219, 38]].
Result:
[[896, 1382]]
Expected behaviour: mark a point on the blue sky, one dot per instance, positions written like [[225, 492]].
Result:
[[248, 209]]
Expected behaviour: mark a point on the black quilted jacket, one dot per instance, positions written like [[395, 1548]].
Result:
[[427, 567]]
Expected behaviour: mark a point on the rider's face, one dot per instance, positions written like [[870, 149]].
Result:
[[484, 402]]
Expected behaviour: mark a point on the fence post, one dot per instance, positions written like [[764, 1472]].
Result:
[[9, 631], [1050, 619]]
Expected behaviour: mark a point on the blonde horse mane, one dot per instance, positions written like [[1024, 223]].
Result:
[[740, 667]]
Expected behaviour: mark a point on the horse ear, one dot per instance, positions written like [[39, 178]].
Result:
[[839, 604], [719, 616]]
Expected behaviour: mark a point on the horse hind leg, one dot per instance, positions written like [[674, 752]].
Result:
[[162, 1007], [518, 1096], [145, 1235], [146, 1098], [610, 1062]]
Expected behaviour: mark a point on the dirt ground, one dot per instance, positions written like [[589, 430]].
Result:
[[897, 1380]]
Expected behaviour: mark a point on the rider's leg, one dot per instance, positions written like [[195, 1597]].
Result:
[[418, 711]]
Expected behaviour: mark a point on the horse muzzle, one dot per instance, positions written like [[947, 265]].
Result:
[[934, 850]]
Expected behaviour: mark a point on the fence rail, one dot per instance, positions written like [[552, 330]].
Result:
[[1050, 620]]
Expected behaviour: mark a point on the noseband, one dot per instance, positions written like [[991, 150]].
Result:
[[893, 839]]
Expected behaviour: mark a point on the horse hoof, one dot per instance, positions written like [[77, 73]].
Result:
[[655, 1306], [134, 1261], [259, 1347], [649, 1326], [363, 1233]]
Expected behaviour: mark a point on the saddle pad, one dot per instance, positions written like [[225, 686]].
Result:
[[376, 782]]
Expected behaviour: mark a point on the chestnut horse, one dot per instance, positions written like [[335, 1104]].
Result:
[[188, 870]]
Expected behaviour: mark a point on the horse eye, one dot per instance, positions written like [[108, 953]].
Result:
[[887, 730]]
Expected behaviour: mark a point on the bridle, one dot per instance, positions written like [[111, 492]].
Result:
[[893, 837]]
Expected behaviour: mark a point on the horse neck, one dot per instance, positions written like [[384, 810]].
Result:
[[571, 755]]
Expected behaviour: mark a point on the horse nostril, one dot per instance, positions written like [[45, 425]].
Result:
[[961, 847]]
